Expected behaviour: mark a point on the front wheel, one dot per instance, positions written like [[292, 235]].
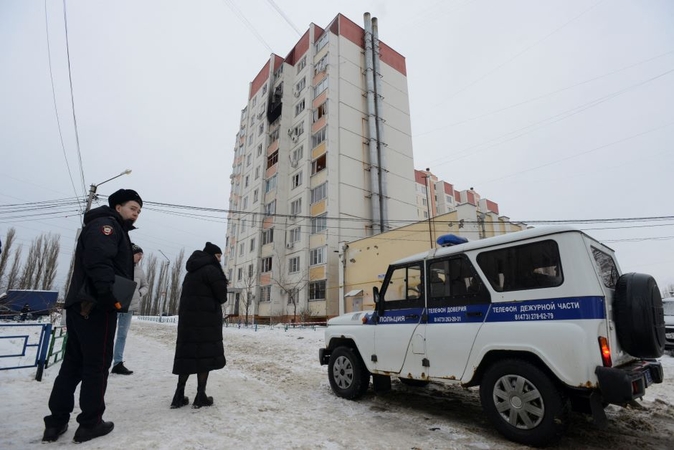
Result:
[[523, 403], [349, 378]]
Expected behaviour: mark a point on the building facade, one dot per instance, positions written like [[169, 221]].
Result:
[[323, 156]]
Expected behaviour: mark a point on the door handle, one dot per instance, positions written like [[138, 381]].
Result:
[[412, 317]]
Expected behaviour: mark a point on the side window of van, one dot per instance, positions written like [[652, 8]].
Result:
[[453, 282], [404, 288], [607, 268], [523, 267]]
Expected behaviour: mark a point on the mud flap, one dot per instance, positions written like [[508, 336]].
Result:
[[381, 383], [598, 414]]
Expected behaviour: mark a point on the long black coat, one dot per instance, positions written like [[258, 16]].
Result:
[[199, 344]]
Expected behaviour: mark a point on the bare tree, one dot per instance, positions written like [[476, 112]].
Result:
[[151, 274], [250, 281], [668, 291], [158, 304], [52, 247], [30, 266], [4, 257], [13, 275], [175, 286], [290, 284]]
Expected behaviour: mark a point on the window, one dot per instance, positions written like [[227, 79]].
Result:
[[270, 184], [272, 159], [300, 86], [243, 225], [294, 264], [245, 206], [319, 223], [320, 111], [317, 290], [317, 256], [254, 101], [259, 149], [296, 207], [239, 274], [268, 236], [257, 172], [266, 264], [319, 164], [250, 140], [297, 153], [319, 193], [260, 129], [607, 268], [250, 271], [319, 136], [453, 282], [296, 180], [252, 244], [273, 135], [299, 107], [322, 41], [278, 72], [404, 287], [242, 248], [270, 208], [256, 195], [246, 181], [320, 87], [293, 296], [302, 64], [298, 129], [295, 235], [523, 267], [321, 65], [265, 293]]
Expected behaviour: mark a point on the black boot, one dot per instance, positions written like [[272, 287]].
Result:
[[202, 399], [51, 434], [179, 398], [84, 434]]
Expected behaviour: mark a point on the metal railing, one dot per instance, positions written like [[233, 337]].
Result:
[[41, 347]]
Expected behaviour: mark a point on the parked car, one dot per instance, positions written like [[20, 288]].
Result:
[[668, 307], [542, 320]]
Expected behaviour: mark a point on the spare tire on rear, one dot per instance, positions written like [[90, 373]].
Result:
[[639, 316]]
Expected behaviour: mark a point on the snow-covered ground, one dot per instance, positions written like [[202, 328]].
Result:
[[273, 394]]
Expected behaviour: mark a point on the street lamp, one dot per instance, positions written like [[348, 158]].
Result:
[[93, 187]]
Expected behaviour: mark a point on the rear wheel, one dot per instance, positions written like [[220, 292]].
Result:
[[349, 378], [523, 403]]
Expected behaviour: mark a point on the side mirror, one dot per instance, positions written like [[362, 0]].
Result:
[[379, 305]]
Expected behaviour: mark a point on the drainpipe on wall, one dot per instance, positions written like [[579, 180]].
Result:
[[375, 182], [378, 105]]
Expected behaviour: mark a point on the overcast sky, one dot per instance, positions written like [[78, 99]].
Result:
[[555, 110]]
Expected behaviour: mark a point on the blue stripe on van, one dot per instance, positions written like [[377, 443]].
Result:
[[567, 308]]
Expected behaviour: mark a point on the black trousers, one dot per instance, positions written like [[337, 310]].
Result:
[[87, 360]]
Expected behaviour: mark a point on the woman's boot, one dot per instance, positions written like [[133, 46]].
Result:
[[179, 398], [202, 399]]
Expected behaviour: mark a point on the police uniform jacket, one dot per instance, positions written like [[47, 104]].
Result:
[[103, 251]]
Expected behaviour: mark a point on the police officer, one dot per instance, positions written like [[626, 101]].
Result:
[[103, 251]]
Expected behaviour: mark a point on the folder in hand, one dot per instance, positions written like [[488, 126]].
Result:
[[123, 290]]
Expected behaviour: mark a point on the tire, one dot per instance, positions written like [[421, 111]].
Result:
[[349, 378], [523, 403], [414, 383], [639, 316]]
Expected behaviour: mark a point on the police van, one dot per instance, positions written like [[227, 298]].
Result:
[[542, 320]]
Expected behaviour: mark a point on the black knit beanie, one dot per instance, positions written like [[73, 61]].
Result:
[[124, 195], [212, 249]]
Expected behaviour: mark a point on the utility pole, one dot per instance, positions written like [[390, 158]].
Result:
[[93, 187], [428, 207]]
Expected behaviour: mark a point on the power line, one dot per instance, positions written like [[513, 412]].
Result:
[[72, 97], [53, 91], [286, 18], [245, 21]]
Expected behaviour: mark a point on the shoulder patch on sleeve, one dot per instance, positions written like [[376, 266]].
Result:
[[107, 230]]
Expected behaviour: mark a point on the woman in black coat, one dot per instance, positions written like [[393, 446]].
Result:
[[199, 346]]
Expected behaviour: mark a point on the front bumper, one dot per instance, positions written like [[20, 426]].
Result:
[[620, 385]]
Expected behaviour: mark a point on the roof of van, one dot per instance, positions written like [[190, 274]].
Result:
[[493, 241]]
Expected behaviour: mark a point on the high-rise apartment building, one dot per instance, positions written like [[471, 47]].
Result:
[[323, 156]]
